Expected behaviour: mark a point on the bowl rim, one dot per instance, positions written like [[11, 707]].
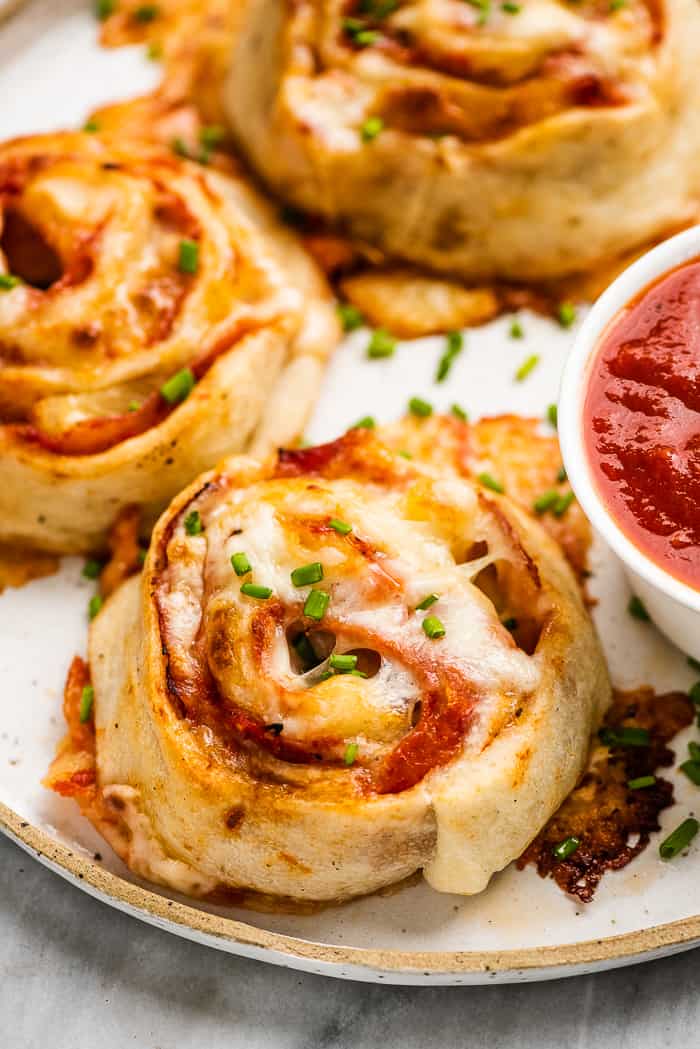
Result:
[[651, 266]]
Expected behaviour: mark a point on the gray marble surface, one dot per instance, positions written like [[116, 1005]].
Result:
[[75, 974]]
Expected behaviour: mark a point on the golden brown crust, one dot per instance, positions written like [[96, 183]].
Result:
[[109, 310], [235, 713]]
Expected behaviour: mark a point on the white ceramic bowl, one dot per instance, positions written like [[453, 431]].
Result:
[[674, 606]]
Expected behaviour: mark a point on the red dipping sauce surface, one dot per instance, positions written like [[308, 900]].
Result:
[[642, 421]]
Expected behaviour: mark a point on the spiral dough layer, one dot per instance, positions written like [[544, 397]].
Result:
[[153, 317], [340, 667]]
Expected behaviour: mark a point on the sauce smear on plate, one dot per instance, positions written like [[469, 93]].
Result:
[[642, 421]]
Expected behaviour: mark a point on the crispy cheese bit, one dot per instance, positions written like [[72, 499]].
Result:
[[193, 523], [342, 663], [316, 604], [372, 127], [188, 256], [87, 698], [350, 753], [349, 316], [341, 527], [679, 839], [381, 344], [240, 563], [420, 408], [528, 366], [489, 481], [566, 848], [261, 593], [433, 628], [178, 387], [637, 610], [307, 574], [566, 314], [427, 602]]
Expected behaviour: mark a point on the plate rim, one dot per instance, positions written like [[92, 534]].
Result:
[[551, 962]]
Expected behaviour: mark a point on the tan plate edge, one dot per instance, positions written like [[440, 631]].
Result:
[[627, 946]]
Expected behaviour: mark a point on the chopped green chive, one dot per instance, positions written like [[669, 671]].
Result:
[[87, 698], [433, 627], [188, 257], [455, 345], [490, 482], [358, 673], [484, 8], [553, 415], [511, 623], [372, 127], [562, 504], [459, 413], [516, 330], [154, 51], [381, 344], [146, 13], [141, 557], [240, 563], [365, 37], [624, 736], [8, 281], [637, 610], [180, 147], [94, 606], [694, 692], [307, 574], [91, 126], [694, 750], [694, 664], [275, 727], [692, 771], [133, 406], [420, 408], [316, 604], [427, 602], [178, 387], [342, 663], [679, 839], [253, 590], [528, 366], [367, 422], [546, 501], [105, 8], [350, 753], [341, 527], [566, 314], [405, 454], [561, 475], [92, 569], [510, 8], [349, 316], [212, 135], [566, 848], [326, 675], [193, 523], [617, 5], [641, 782]]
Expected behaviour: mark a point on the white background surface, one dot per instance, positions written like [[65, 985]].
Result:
[[78, 975]]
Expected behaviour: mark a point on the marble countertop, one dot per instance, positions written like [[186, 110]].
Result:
[[75, 974]]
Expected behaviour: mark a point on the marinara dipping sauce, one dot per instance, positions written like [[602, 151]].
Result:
[[642, 421]]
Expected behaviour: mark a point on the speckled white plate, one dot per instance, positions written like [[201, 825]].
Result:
[[522, 928]]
